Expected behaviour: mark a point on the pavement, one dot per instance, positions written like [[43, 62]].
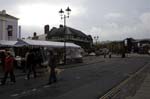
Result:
[[144, 91], [87, 80]]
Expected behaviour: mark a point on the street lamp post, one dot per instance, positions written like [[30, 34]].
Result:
[[64, 16], [96, 38], [125, 44]]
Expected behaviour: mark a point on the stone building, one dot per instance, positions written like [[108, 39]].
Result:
[[69, 34], [8, 26], [137, 45]]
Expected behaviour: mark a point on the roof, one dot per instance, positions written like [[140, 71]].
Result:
[[44, 43], [8, 16], [142, 39], [61, 32], [7, 43]]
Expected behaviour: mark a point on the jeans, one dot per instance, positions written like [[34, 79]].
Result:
[[31, 68], [12, 77], [52, 77]]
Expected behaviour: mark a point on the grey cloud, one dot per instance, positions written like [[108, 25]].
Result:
[[126, 23], [110, 19]]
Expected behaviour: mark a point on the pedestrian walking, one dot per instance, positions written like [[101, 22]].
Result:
[[52, 64], [31, 64], [25, 63], [2, 58], [8, 68], [110, 54], [38, 57], [104, 54]]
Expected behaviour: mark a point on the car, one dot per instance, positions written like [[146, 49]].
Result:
[[92, 54]]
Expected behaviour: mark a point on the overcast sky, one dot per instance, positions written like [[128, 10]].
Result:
[[108, 19]]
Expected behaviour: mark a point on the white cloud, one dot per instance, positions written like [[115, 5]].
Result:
[[95, 31], [38, 15], [145, 18]]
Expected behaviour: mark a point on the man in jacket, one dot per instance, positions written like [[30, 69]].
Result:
[[8, 68], [31, 64], [52, 64]]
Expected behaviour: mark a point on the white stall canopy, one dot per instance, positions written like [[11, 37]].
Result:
[[6, 43], [38, 43]]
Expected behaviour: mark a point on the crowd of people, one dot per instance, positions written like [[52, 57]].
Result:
[[31, 61]]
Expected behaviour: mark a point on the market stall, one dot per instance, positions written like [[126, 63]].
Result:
[[72, 50], [6, 43]]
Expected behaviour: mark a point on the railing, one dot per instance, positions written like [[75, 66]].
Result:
[[74, 39]]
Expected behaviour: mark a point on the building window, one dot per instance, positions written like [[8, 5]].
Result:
[[10, 30]]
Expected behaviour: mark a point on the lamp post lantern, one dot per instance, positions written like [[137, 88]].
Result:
[[96, 38], [64, 16]]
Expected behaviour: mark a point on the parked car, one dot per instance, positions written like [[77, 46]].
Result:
[[92, 54], [102, 51]]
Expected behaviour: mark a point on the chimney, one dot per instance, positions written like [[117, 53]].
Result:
[[61, 26], [3, 12], [19, 32], [34, 34], [46, 29]]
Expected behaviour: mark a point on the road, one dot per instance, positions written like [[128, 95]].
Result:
[[82, 82]]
